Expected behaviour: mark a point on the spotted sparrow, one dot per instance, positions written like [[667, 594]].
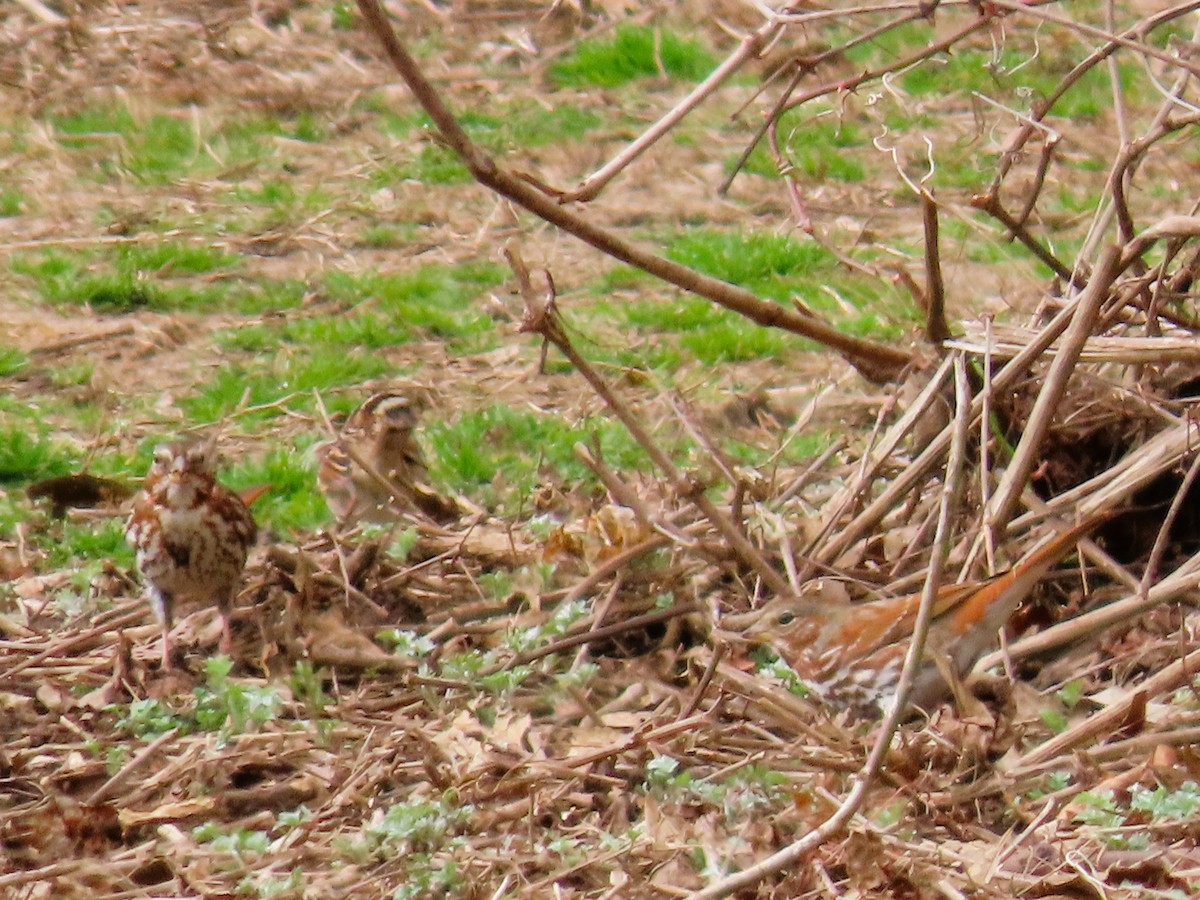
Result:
[[852, 653], [191, 534], [374, 468]]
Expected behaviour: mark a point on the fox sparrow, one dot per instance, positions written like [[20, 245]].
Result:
[[374, 469], [852, 653], [191, 534]]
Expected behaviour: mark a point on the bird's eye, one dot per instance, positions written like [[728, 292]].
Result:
[[787, 618]]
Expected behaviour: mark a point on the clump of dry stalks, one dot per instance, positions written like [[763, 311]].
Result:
[[1083, 408], [1091, 397]]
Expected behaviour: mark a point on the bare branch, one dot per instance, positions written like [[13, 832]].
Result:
[[878, 362]]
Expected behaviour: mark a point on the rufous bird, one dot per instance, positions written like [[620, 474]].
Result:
[[852, 653], [192, 536]]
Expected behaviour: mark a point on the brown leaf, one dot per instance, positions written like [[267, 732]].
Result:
[[1134, 721]]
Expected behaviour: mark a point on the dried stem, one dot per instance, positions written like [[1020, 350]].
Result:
[[771, 119], [990, 204], [1182, 494], [542, 318], [1039, 179], [850, 806], [936, 327], [1108, 720], [1026, 130], [1171, 588], [917, 471], [633, 623], [1008, 492]]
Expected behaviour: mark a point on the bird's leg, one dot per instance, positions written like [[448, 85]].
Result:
[[225, 608], [161, 602]]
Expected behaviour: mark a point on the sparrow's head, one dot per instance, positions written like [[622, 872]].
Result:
[[185, 458]]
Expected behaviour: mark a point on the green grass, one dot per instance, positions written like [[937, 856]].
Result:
[[1092, 94], [535, 125], [384, 237], [129, 276], [12, 203], [980, 245], [282, 199], [92, 542], [979, 242], [801, 448], [634, 52], [773, 267], [676, 331], [157, 276], [384, 173], [889, 46], [530, 125], [767, 264], [266, 295], [12, 360], [1073, 200], [435, 164], [864, 307], [265, 382], [429, 303], [28, 454], [958, 165], [332, 332], [112, 140], [508, 124], [759, 162], [153, 150], [623, 278], [1019, 76], [342, 16], [815, 147], [293, 502], [242, 140], [604, 332], [494, 454], [708, 332], [962, 72], [73, 374], [508, 128], [80, 549], [170, 257]]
